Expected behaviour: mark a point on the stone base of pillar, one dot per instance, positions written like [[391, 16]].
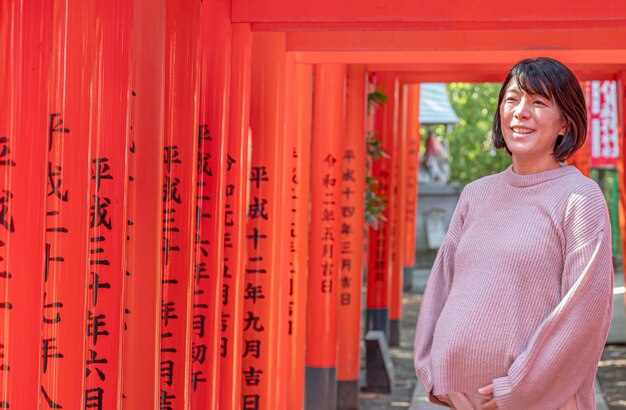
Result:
[[320, 388], [378, 365], [348, 395], [407, 276], [378, 319], [394, 332]]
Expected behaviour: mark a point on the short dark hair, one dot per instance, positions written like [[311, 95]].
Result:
[[550, 79]]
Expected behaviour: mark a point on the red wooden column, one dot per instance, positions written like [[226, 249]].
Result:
[[300, 179], [582, 158], [412, 161], [621, 172], [8, 71], [262, 273], [209, 295], [236, 201], [66, 243], [141, 339], [179, 200], [285, 295], [25, 44], [325, 247], [351, 242], [107, 211], [379, 252], [399, 228]]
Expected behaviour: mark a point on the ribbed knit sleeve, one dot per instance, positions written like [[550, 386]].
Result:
[[565, 349], [435, 295]]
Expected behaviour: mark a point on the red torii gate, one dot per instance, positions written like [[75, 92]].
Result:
[[460, 41], [214, 71]]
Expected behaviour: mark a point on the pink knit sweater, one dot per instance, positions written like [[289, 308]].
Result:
[[520, 294]]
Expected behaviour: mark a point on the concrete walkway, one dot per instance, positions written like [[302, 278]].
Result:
[[617, 334]]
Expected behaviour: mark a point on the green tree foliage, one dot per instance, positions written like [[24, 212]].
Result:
[[471, 154]]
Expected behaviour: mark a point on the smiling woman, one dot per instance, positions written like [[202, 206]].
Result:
[[518, 304], [541, 117]]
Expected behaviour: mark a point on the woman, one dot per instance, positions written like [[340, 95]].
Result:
[[519, 300]]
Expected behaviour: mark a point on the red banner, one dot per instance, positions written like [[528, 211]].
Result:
[[602, 132]]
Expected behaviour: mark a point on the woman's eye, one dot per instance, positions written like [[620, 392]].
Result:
[[539, 102], [512, 99]]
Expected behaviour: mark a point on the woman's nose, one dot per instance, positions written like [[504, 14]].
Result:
[[521, 109]]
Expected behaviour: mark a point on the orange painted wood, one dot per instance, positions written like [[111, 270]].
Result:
[[327, 150], [400, 178], [70, 107], [8, 28], [107, 205], [582, 158], [141, 343], [454, 12], [600, 58], [285, 294], [25, 45], [440, 39], [378, 264], [299, 174], [215, 57], [479, 74], [351, 232], [179, 205], [262, 273], [412, 163], [436, 25], [236, 202], [621, 174], [372, 125]]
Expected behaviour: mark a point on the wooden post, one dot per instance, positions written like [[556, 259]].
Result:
[[621, 174], [413, 145], [325, 245], [25, 45], [236, 201], [582, 158], [262, 274], [299, 174], [399, 228], [141, 341], [285, 295], [107, 206], [209, 296], [379, 239], [351, 241], [70, 107], [179, 206]]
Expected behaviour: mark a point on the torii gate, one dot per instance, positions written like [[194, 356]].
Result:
[[155, 244]]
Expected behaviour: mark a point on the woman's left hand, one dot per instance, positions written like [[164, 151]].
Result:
[[487, 391]]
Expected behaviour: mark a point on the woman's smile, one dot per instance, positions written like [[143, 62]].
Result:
[[523, 131], [531, 125]]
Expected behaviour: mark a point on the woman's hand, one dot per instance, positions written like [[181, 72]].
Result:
[[491, 402], [444, 399]]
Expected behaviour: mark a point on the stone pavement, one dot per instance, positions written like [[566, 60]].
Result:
[[617, 334]]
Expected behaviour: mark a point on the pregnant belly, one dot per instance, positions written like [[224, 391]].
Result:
[[470, 345]]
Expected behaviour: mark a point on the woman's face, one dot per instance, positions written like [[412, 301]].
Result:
[[530, 124]]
